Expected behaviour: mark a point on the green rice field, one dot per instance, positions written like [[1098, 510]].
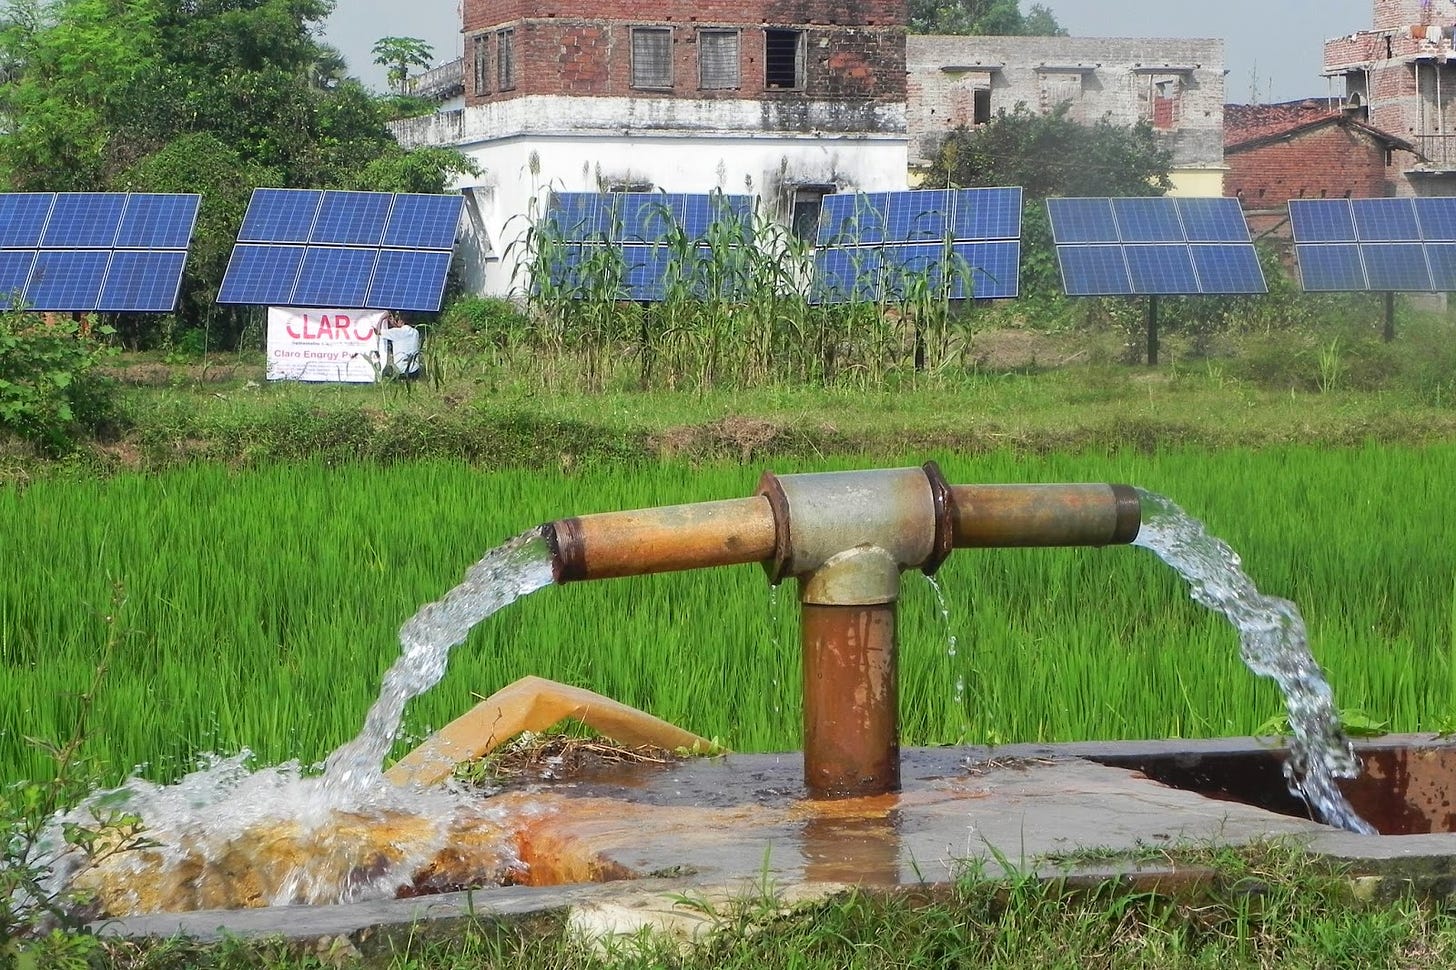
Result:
[[261, 607]]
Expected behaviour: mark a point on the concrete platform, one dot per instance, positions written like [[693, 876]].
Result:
[[626, 843]]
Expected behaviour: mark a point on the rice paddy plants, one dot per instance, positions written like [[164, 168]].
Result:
[[263, 606]]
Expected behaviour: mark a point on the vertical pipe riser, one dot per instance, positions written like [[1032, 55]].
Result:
[[851, 701]]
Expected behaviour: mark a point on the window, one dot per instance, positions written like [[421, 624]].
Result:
[[718, 59], [505, 59], [807, 203], [652, 57], [981, 110], [783, 59], [480, 61], [1166, 95]]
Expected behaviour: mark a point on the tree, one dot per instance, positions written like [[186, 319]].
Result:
[[1050, 154], [399, 54], [990, 17]]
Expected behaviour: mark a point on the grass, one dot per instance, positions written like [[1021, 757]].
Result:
[[262, 604]]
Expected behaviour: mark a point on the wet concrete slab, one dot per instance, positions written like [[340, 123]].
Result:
[[740, 824]]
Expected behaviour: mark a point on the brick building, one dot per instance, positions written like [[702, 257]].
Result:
[[1176, 85], [1306, 150], [1400, 77], [785, 99]]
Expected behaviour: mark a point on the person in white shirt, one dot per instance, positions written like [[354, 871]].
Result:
[[401, 348]]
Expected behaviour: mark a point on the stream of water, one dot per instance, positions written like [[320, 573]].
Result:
[[1273, 644]]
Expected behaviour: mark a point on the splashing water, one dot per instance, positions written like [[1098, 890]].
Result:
[[515, 569], [293, 837], [1274, 644]]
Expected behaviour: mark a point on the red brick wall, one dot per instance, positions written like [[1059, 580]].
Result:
[[855, 49], [1324, 163]]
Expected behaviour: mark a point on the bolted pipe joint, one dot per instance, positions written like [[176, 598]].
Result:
[[866, 523]]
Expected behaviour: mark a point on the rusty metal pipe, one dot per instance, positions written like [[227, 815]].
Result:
[[1043, 515], [846, 536], [851, 700], [668, 539]]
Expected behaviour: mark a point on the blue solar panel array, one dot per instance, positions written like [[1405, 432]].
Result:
[[662, 240], [347, 250], [1153, 246], [94, 251], [1384, 245], [957, 243]]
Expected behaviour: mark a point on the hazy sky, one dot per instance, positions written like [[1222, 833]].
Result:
[[1274, 43]]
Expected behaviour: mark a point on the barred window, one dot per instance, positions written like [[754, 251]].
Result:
[[652, 57], [718, 59], [783, 59], [480, 60], [505, 59]]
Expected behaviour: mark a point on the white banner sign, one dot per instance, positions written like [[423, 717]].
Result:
[[323, 345]]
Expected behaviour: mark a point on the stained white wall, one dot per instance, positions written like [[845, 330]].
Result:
[[542, 144]]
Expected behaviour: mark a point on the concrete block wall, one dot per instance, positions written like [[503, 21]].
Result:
[[1116, 85]]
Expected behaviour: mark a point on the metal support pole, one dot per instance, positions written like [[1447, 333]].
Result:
[[1389, 334], [1152, 331]]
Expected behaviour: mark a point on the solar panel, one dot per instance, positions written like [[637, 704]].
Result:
[[1094, 270], [1082, 221], [64, 279], [987, 213], [1161, 269], [334, 277], [846, 274], [580, 216], [280, 215], [1322, 220], [158, 221], [912, 269], [1385, 245], [56, 248], [1437, 218], [419, 221], [22, 218], [644, 272], [408, 279], [918, 216], [84, 220], [261, 274], [351, 218], [1330, 267], [1154, 246], [856, 219], [15, 267], [326, 247], [142, 280], [991, 270], [728, 218], [1396, 266], [1228, 268], [1147, 220], [1441, 258], [1211, 219], [1385, 220], [647, 217]]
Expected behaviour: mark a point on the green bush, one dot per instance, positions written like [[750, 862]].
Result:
[[473, 324], [52, 393]]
